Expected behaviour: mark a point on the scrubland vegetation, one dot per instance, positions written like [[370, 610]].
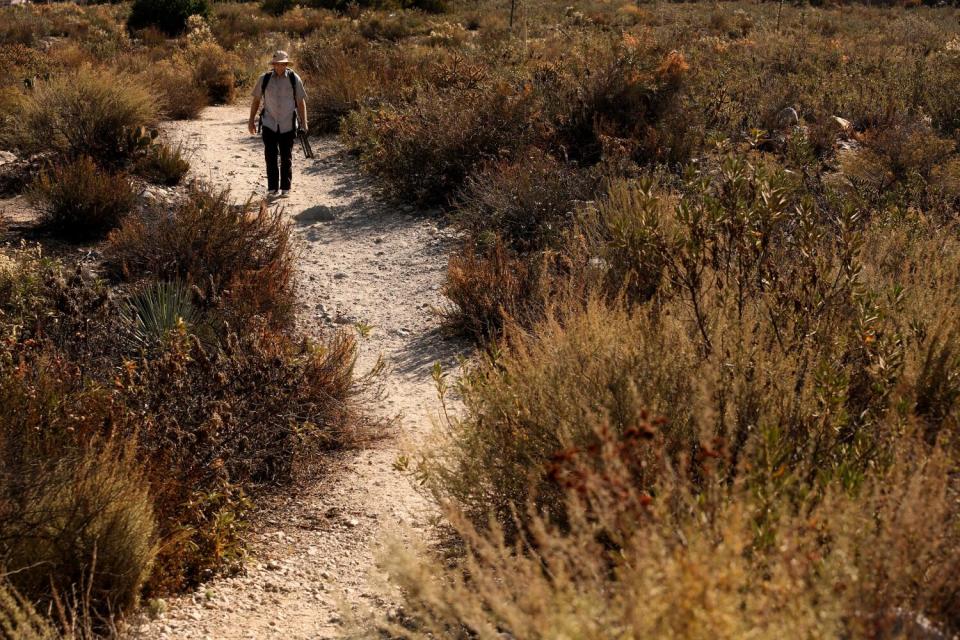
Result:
[[709, 257]]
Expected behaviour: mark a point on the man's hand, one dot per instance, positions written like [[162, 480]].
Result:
[[252, 128]]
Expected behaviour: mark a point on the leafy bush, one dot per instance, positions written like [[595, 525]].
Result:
[[86, 113], [164, 164], [238, 256], [170, 16], [82, 201]]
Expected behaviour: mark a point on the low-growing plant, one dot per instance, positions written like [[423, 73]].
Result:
[[238, 256], [164, 164], [181, 96], [82, 201], [157, 310], [85, 113], [529, 202], [19, 619], [87, 525]]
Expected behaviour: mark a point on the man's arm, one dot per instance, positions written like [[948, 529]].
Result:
[[302, 113], [254, 107]]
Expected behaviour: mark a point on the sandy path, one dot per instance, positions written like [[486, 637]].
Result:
[[362, 261]]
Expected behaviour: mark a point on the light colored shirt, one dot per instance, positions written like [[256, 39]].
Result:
[[279, 103]]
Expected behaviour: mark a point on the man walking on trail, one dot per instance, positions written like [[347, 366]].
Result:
[[284, 112]]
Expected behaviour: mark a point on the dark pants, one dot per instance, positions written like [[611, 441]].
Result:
[[278, 146]]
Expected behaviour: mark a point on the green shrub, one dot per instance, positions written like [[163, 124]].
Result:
[[19, 620], [89, 526], [164, 164], [157, 310], [239, 257], [86, 113], [170, 16], [82, 201]]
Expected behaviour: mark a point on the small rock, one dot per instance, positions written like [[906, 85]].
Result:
[[353, 522], [339, 275], [273, 565]]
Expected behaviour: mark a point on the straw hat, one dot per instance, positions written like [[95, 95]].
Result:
[[280, 57]]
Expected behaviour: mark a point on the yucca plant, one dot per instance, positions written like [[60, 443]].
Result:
[[157, 309]]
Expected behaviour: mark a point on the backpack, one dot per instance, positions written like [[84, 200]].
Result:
[[263, 92]]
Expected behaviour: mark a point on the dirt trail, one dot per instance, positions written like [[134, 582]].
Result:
[[362, 262]]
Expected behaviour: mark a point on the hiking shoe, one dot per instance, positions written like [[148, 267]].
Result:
[[273, 193], [285, 193]]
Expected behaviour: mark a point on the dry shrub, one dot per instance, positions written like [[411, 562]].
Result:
[[605, 98], [530, 202], [214, 69], [769, 314], [182, 97], [85, 112], [339, 81], [547, 394], [489, 284], [217, 420], [82, 201], [425, 150], [894, 158], [238, 256], [76, 518], [642, 560], [213, 420]]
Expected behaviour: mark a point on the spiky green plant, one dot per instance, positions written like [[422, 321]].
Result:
[[157, 309]]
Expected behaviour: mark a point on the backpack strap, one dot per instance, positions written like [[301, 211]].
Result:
[[264, 82]]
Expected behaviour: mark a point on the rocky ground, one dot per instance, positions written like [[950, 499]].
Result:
[[377, 268]]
